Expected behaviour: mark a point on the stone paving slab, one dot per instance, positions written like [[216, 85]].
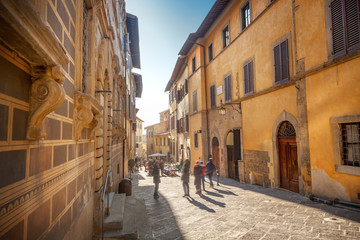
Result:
[[240, 211]]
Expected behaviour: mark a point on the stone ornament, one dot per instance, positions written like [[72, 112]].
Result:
[[118, 132], [86, 113], [47, 94]]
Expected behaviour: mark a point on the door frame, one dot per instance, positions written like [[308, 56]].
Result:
[[285, 116]]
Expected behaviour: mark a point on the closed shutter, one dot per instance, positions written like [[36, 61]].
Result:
[[186, 86], [284, 60], [228, 88], [194, 102], [345, 26], [251, 77], [187, 122], [212, 96], [246, 78], [277, 63]]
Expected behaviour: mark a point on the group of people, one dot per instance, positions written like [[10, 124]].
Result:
[[200, 171]]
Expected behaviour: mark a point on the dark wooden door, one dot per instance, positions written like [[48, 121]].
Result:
[[231, 163], [216, 157], [289, 177]]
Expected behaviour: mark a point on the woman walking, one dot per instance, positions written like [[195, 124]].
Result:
[[197, 174], [185, 177]]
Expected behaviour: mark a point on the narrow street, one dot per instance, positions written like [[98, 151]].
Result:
[[239, 211]]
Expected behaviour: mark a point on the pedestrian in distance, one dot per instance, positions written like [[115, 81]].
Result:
[[197, 175], [210, 168], [203, 174], [156, 177], [217, 176], [185, 177]]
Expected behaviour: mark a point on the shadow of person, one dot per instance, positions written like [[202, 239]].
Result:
[[227, 192], [214, 194], [199, 205], [220, 204]]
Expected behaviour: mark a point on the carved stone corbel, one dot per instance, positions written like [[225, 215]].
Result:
[[86, 113], [118, 132], [47, 93]]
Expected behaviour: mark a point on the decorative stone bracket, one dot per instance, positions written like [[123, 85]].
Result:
[[47, 93], [118, 132], [86, 113]]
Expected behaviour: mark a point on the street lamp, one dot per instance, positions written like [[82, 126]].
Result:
[[222, 109]]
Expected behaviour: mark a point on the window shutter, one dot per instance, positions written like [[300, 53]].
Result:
[[246, 78], [251, 77], [352, 24], [284, 60], [212, 96], [338, 31], [186, 86], [187, 122], [228, 88], [277, 63]]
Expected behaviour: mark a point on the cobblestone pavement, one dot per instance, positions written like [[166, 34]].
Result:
[[240, 211]]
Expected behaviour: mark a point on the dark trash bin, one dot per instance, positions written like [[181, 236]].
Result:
[[125, 186]]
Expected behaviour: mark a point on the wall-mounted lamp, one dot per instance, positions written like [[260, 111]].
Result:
[[222, 109]]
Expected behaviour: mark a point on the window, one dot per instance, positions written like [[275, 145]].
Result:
[[226, 36], [281, 60], [248, 78], [195, 102], [212, 97], [196, 140], [350, 139], [193, 61], [345, 26], [346, 143], [227, 81], [210, 52], [186, 87], [187, 122], [245, 16]]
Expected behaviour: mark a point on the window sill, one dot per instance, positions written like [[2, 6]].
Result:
[[348, 169], [281, 82]]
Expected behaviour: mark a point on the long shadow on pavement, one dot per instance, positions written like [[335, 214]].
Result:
[[200, 205], [220, 204], [292, 197]]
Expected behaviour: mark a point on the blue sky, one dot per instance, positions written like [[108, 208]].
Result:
[[164, 25]]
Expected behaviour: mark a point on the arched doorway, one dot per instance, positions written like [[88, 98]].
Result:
[[288, 163], [215, 152], [233, 147]]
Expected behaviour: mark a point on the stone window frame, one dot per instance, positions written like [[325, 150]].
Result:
[[286, 36], [224, 45], [335, 122], [242, 7]]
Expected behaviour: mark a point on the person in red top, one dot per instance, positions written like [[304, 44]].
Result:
[[203, 174]]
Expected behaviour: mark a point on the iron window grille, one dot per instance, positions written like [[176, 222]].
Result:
[[350, 144]]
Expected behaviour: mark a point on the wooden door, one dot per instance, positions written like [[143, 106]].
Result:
[[231, 163], [216, 156], [289, 177]]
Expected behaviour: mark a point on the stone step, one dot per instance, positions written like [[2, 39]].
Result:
[[111, 198], [136, 223], [114, 222]]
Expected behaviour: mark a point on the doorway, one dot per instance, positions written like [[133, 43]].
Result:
[[215, 152], [288, 162], [233, 147]]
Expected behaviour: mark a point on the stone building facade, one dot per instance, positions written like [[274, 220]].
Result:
[[274, 101], [66, 95]]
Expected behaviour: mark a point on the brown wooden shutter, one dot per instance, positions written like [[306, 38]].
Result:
[[284, 60], [212, 96], [251, 77], [352, 24], [277, 63], [246, 78], [228, 88]]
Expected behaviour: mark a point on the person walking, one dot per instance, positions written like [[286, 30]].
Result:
[[156, 177], [210, 168], [185, 177], [203, 174], [197, 175]]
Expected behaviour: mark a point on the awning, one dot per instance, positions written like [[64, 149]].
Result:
[[133, 30]]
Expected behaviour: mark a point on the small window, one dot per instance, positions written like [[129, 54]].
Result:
[[195, 102], [248, 78], [212, 96], [350, 144], [196, 140], [210, 52], [227, 82], [193, 64], [281, 59], [345, 26], [245, 14], [226, 36]]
